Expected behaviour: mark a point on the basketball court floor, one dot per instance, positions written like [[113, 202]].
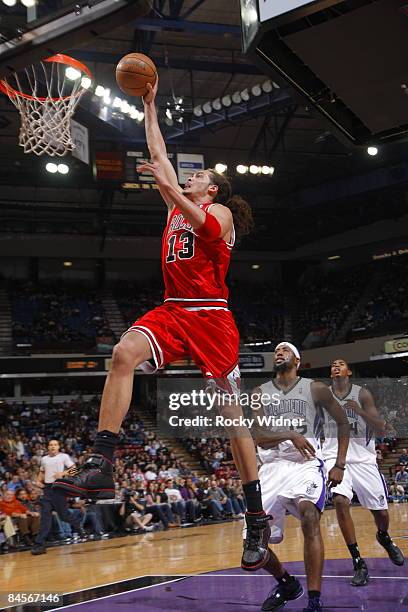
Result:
[[198, 569]]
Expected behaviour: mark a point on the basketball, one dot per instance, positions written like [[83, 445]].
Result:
[[134, 72]]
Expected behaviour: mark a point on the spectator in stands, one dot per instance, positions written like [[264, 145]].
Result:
[[150, 473], [193, 506], [221, 501], [401, 477], [15, 483], [160, 510], [32, 510], [403, 459], [25, 523], [178, 505], [397, 492], [134, 514], [89, 516], [7, 532]]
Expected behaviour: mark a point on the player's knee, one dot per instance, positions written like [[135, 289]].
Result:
[[341, 503], [123, 361], [310, 521]]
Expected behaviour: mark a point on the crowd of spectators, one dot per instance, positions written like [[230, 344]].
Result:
[[66, 314], [154, 489], [57, 315], [324, 303], [387, 310]]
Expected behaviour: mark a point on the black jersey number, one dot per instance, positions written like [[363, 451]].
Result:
[[354, 427], [185, 252]]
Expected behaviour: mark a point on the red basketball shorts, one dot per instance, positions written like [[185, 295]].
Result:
[[209, 337]]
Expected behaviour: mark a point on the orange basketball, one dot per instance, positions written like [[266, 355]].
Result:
[[133, 73]]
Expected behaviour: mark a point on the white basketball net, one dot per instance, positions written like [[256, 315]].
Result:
[[46, 114]]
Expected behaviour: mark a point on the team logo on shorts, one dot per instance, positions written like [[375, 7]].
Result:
[[311, 487], [381, 500]]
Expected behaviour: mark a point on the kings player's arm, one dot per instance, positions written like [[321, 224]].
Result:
[[155, 141], [267, 439], [322, 396], [367, 410]]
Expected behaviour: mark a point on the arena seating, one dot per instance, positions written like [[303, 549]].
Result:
[[52, 316], [387, 310]]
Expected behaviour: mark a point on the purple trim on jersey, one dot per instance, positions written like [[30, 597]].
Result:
[[383, 483], [320, 502]]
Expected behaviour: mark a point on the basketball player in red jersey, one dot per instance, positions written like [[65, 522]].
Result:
[[193, 321]]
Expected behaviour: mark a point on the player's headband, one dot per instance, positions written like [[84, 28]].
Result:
[[292, 347]]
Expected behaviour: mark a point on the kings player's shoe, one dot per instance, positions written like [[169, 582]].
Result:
[[256, 550], [92, 480], [394, 553]]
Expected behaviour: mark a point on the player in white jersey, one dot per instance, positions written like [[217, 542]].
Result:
[[362, 475], [292, 476]]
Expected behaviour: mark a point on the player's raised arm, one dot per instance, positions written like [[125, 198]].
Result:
[[155, 141]]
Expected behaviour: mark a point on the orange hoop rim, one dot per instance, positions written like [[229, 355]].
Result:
[[59, 58]]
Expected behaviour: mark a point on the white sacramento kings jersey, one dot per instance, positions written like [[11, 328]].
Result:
[[295, 403], [362, 442]]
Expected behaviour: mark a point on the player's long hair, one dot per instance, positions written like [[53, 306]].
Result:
[[240, 209]]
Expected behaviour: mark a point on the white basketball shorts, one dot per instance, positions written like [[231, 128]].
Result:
[[366, 481], [286, 483]]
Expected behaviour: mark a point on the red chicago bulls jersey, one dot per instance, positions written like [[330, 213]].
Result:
[[194, 270]]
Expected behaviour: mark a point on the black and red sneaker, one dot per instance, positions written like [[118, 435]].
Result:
[[92, 480], [256, 550]]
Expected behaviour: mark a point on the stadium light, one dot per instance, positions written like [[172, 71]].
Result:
[[198, 111], [267, 86], [256, 90], [99, 91], [255, 266], [51, 167], [220, 168], [372, 151], [86, 82], [67, 264], [207, 108], [117, 103], [254, 169], [333, 257], [9, 2], [236, 97], [63, 168], [226, 101], [241, 169], [125, 107], [107, 97], [245, 95], [28, 3], [71, 73], [216, 104]]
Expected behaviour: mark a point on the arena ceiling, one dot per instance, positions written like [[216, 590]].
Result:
[[196, 45]]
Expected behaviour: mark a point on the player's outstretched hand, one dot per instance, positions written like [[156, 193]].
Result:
[[150, 97], [303, 445], [156, 169], [335, 476]]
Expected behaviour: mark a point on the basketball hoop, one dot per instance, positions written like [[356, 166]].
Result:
[[46, 95]]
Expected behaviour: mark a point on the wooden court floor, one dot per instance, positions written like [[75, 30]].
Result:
[[179, 551]]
